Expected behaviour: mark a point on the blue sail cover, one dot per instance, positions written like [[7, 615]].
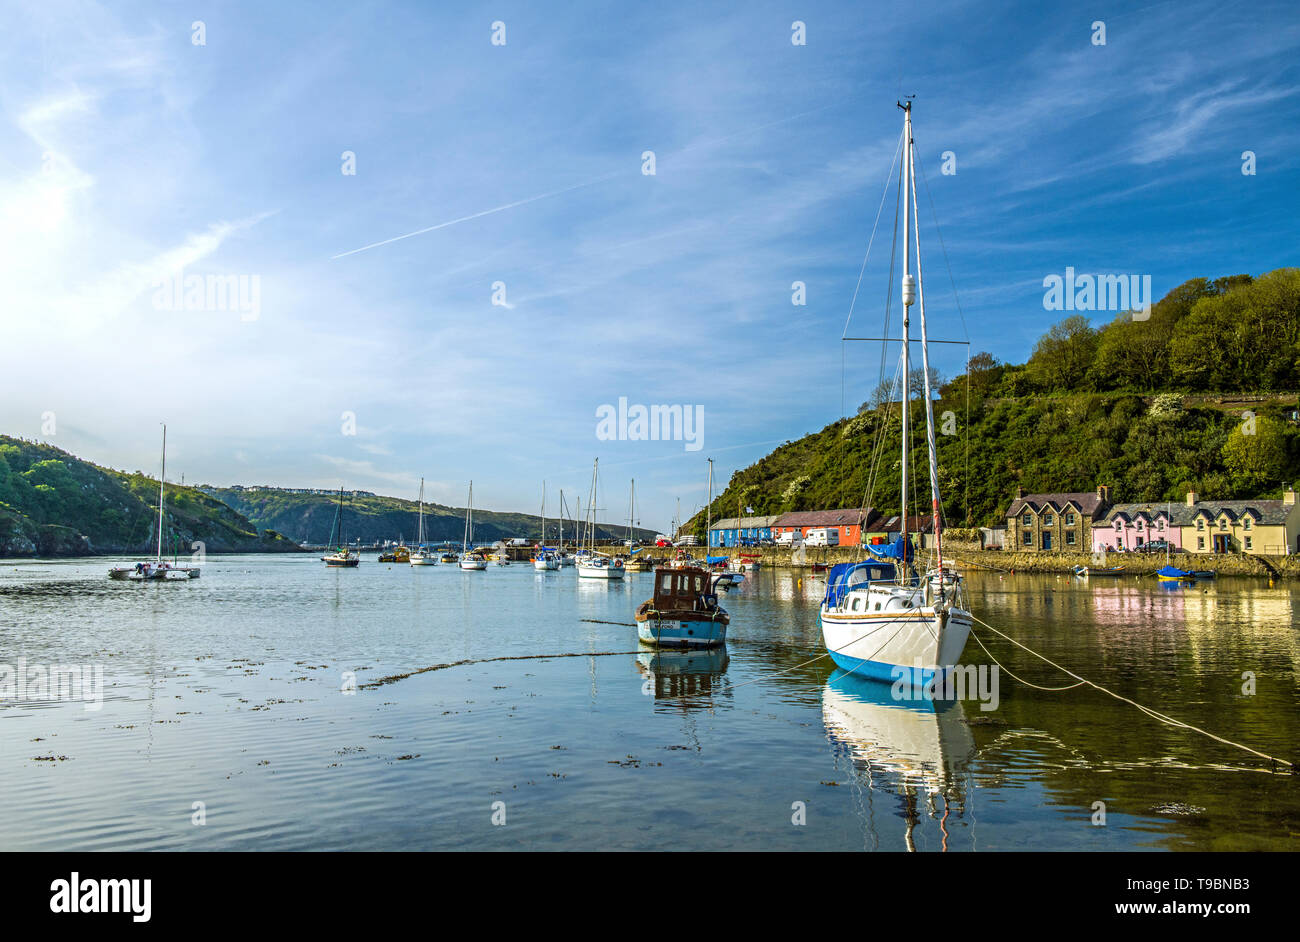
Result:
[[716, 559], [838, 581], [1172, 572], [899, 549]]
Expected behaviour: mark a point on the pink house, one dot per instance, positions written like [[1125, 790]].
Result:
[[1128, 526]]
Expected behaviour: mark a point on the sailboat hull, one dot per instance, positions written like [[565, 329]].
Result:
[[600, 572], [917, 646]]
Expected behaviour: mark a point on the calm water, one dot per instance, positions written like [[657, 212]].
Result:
[[227, 691]]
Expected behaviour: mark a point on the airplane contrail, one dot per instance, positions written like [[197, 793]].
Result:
[[486, 212], [569, 189]]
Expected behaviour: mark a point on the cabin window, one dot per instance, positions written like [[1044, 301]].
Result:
[[666, 582], [857, 604]]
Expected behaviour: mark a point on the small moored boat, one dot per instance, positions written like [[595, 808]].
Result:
[[684, 612]]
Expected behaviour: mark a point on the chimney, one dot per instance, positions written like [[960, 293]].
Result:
[[1191, 498], [1103, 492], [1020, 493], [1288, 496]]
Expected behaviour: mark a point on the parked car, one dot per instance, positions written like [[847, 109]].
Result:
[[1158, 546], [662, 543]]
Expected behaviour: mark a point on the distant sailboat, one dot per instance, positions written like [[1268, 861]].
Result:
[[158, 570], [470, 559], [344, 558], [423, 556], [545, 560], [591, 565]]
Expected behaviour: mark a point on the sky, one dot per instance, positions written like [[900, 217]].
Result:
[[143, 140]]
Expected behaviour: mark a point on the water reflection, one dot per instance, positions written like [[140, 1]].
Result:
[[689, 677], [915, 752]]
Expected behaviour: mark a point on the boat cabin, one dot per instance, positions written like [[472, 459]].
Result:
[[683, 590]]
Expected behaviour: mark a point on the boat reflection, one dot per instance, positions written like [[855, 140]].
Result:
[[685, 674], [918, 751]]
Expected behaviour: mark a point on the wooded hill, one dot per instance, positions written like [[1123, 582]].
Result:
[[55, 504], [1152, 407], [309, 518]]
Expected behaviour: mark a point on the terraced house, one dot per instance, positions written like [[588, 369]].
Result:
[[1130, 526], [1060, 522], [1257, 527]]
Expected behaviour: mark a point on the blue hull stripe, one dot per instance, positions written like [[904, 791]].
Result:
[[879, 670]]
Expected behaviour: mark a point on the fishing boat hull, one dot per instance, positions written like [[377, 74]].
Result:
[[681, 629], [915, 646]]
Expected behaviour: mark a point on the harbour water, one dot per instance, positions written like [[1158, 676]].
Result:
[[229, 720]]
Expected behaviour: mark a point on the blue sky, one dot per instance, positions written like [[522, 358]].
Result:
[[127, 152]]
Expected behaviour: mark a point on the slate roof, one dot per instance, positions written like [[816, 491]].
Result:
[[1266, 512], [746, 523], [1088, 502], [826, 518]]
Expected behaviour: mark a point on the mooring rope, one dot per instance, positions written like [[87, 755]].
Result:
[[1154, 714]]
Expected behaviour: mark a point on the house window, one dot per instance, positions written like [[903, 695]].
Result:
[[1027, 520], [1247, 542], [1200, 524], [1223, 523], [1139, 524], [1069, 537], [1162, 524], [1200, 542], [1119, 526], [1029, 538], [1069, 520], [1047, 520], [1245, 523]]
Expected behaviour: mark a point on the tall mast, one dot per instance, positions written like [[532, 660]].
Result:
[[708, 513], [543, 515], [560, 546], [421, 536], [469, 510], [909, 297], [931, 447], [161, 478]]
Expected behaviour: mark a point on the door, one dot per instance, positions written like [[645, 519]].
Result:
[[1047, 541]]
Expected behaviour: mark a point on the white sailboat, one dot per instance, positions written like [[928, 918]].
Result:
[[878, 618], [158, 570], [544, 559], [590, 564], [344, 558], [423, 556], [471, 559]]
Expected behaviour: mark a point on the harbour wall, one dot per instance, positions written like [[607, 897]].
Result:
[[969, 556]]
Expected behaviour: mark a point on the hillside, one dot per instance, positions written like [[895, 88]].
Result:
[[55, 504], [1151, 407], [308, 518]]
